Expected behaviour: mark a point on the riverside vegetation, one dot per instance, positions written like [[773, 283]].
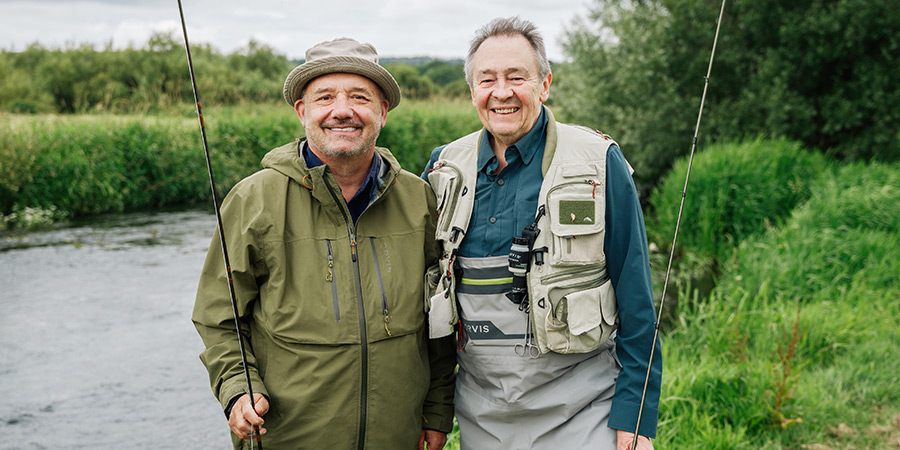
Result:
[[781, 330], [796, 345]]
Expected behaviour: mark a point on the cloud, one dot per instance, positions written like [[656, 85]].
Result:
[[395, 27]]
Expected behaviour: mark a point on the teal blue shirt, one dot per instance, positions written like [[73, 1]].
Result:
[[507, 201]]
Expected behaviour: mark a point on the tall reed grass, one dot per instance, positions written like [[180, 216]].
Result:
[[87, 164], [835, 257], [735, 191]]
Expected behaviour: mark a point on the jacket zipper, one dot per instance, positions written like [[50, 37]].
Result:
[[364, 344], [384, 302], [329, 277]]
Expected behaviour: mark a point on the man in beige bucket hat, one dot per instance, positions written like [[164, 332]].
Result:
[[330, 244]]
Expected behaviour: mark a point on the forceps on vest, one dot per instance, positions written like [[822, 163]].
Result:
[[528, 348]]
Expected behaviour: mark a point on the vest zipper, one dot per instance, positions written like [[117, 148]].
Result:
[[329, 277], [363, 337], [384, 303]]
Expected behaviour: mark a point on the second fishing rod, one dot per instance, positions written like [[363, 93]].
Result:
[[687, 177]]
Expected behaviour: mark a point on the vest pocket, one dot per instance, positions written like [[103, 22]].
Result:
[[576, 212], [582, 314], [447, 182], [441, 315]]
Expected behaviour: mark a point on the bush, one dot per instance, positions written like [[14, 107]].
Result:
[[100, 163], [820, 72], [414, 129], [846, 237], [735, 191]]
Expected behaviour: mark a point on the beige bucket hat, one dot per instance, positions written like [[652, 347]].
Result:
[[341, 55]]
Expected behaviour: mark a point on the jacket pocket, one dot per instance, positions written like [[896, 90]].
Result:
[[582, 313], [385, 308], [576, 211]]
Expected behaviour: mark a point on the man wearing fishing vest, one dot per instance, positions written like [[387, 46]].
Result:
[[545, 275]]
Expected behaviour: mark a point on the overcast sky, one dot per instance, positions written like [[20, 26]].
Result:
[[395, 27]]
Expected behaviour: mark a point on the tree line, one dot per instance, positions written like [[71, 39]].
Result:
[[819, 72], [87, 79]]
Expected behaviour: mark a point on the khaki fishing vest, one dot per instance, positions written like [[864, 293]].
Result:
[[572, 302]]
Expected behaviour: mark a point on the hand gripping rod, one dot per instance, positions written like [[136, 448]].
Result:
[[215, 197], [687, 176]]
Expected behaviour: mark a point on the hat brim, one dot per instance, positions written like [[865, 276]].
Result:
[[301, 76]]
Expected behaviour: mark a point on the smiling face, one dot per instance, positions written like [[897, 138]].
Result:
[[343, 114], [507, 90]]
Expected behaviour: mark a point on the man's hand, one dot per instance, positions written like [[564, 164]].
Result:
[[435, 440], [624, 438], [243, 417]]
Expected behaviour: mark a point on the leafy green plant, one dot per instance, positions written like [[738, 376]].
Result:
[[815, 71], [735, 191]]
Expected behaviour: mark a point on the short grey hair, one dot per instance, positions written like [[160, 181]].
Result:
[[509, 27]]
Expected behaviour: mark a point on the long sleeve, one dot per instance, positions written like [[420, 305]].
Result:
[[629, 268], [213, 314], [438, 408]]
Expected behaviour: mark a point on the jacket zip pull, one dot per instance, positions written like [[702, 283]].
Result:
[[387, 320], [329, 277], [353, 247]]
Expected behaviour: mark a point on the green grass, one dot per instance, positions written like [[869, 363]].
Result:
[[786, 230], [735, 191], [836, 259], [88, 164]]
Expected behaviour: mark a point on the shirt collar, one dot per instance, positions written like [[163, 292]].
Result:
[[532, 143], [369, 183]]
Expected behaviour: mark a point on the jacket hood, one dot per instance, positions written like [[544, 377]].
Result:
[[287, 161]]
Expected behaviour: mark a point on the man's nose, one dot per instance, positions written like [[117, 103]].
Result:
[[342, 107], [502, 91]]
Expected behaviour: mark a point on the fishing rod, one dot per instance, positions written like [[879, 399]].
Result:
[[215, 197], [687, 176]]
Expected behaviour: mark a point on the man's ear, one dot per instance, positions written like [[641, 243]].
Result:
[[385, 105], [300, 110], [545, 88]]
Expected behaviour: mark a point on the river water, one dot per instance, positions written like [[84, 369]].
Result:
[[97, 349]]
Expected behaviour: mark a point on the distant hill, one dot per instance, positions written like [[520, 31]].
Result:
[[408, 60]]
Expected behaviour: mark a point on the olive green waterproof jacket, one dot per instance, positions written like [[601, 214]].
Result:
[[333, 311]]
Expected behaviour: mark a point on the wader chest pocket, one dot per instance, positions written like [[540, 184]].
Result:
[[582, 317], [576, 211]]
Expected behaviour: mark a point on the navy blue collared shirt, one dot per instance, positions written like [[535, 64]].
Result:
[[363, 196]]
